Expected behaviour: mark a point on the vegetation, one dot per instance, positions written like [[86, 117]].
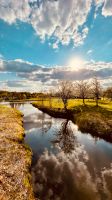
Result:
[[15, 96], [95, 120], [86, 103], [65, 89], [90, 118], [96, 90], [72, 103], [80, 90], [83, 89], [15, 180], [108, 93]]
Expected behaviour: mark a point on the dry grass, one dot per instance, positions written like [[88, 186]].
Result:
[[15, 158]]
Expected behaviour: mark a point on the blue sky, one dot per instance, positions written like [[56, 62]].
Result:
[[55, 36]]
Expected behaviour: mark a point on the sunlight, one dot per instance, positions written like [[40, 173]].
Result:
[[76, 63]]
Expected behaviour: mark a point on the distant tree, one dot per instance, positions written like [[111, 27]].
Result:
[[6, 95], [83, 89], [65, 91], [51, 95], [108, 93], [96, 89]]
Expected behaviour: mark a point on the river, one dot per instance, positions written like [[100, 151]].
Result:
[[66, 164]]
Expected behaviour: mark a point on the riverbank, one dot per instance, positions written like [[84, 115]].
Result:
[[90, 119], [57, 113], [15, 157]]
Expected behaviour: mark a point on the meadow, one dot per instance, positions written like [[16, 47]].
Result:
[[57, 103]]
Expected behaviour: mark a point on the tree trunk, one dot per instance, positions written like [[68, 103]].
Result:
[[65, 106], [97, 102], [83, 101], [50, 102]]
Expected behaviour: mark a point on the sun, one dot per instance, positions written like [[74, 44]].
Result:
[[75, 63]]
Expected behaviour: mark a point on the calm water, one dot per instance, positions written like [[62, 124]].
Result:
[[67, 164]]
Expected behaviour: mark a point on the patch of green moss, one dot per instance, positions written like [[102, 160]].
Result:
[[27, 182]]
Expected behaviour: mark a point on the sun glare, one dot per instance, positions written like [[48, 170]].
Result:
[[76, 63]]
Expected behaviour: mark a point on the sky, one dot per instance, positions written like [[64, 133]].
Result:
[[43, 41]]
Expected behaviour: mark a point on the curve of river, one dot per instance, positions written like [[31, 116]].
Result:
[[66, 164]]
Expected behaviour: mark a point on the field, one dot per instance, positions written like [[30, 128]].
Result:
[[72, 103]]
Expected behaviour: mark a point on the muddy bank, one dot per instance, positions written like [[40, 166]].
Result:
[[93, 120], [15, 158]]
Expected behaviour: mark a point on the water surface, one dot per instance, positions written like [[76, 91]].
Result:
[[67, 164]]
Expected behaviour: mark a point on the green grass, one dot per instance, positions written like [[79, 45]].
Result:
[[88, 117], [72, 103]]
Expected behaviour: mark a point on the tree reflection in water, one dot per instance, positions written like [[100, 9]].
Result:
[[65, 137], [16, 105], [46, 125], [66, 174]]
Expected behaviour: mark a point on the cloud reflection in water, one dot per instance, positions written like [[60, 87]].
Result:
[[67, 175]]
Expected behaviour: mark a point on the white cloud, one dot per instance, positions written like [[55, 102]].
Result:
[[89, 51], [11, 10], [60, 19], [21, 85], [33, 76], [107, 8]]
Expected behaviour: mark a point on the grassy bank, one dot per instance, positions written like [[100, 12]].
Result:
[[95, 120], [57, 103], [15, 157], [89, 118]]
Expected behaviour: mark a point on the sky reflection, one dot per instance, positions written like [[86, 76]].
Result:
[[66, 163]]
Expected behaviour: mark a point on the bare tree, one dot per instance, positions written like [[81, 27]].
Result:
[[96, 89], [83, 89], [65, 90], [50, 96], [108, 93]]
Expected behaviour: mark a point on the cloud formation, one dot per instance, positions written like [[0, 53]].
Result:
[[71, 177], [31, 74], [62, 20], [107, 7], [32, 71]]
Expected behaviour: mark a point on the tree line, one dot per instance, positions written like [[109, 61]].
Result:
[[65, 90], [82, 90], [10, 96]]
